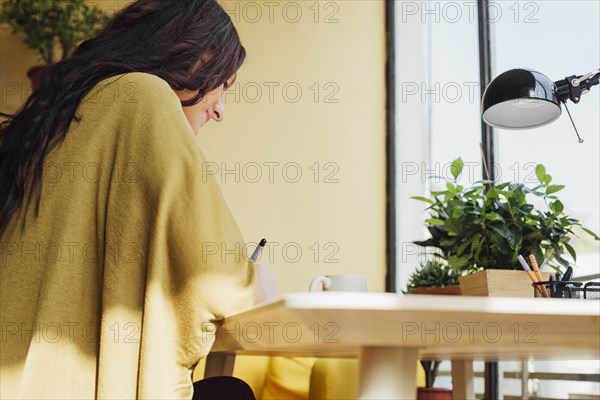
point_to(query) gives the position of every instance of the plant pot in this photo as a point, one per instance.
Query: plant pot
(425, 393)
(35, 75)
(453, 290)
(498, 282)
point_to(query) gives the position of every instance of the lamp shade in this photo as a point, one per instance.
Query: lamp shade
(520, 99)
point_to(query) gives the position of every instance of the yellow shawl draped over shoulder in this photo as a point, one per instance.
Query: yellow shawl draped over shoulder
(112, 290)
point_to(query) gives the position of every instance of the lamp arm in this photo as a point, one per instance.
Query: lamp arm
(572, 87)
(578, 81)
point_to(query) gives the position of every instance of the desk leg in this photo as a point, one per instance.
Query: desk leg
(462, 380)
(219, 364)
(387, 373)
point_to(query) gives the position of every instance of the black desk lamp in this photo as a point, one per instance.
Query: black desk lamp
(523, 98)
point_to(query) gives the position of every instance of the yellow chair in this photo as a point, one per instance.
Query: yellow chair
(299, 378)
(335, 379)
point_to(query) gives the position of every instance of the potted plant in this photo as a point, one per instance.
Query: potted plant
(429, 392)
(485, 227)
(49, 25)
(434, 277)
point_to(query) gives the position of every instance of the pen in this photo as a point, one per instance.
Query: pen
(530, 273)
(534, 264)
(258, 250)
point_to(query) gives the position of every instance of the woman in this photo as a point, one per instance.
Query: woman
(117, 254)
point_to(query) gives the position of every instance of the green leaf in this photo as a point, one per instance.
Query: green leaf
(426, 243)
(421, 198)
(458, 262)
(492, 193)
(494, 217)
(571, 251)
(456, 168)
(462, 247)
(452, 226)
(556, 206)
(517, 237)
(496, 238)
(554, 188)
(502, 230)
(586, 230)
(562, 261)
(434, 221)
(448, 242)
(451, 188)
(540, 172)
(527, 208)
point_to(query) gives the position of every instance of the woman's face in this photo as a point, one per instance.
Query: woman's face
(209, 107)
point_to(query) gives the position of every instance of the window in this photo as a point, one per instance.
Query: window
(529, 38)
(438, 119)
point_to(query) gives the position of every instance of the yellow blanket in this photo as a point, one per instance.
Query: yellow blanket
(111, 291)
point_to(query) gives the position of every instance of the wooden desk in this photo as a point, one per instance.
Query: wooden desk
(390, 332)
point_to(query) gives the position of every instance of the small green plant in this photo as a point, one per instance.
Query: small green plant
(432, 273)
(48, 23)
(487, 226)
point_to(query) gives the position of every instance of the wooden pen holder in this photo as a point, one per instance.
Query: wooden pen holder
(498, 283)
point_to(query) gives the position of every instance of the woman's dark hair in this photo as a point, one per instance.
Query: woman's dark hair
(191, 44)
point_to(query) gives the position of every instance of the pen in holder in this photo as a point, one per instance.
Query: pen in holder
(569, 289)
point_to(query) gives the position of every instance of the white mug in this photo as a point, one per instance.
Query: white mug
(339, 283)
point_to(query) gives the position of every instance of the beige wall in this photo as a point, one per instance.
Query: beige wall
(333, 133)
